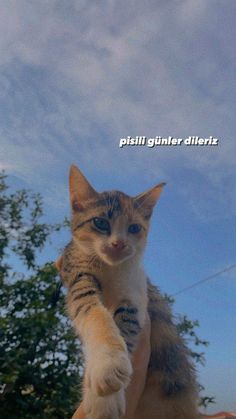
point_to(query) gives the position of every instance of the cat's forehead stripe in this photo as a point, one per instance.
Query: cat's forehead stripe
(115, 202)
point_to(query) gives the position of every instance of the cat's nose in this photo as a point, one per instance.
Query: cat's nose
(118, 244)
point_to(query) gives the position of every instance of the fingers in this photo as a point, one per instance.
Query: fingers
(79, 413)
(140, 364)
(141, 356)
(58, 263)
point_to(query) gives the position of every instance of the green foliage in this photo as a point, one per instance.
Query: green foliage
(39, 355)
(187, 329)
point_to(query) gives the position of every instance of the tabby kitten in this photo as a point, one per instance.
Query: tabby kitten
(107, 300)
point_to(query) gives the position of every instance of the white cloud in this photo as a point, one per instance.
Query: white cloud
(108, 70)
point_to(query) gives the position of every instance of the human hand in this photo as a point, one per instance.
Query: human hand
(140, 360)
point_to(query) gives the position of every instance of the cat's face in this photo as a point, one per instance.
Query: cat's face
(109, 225)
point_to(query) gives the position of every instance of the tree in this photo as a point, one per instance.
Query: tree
(40, 358)
(187, 329)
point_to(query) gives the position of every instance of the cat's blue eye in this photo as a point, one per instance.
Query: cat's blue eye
(101, 224)
(134, 228)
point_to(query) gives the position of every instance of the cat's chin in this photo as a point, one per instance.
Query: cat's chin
(114, 261)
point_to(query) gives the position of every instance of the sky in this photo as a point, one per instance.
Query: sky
(76, 77)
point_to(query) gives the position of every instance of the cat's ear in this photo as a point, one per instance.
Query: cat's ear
(148, 199)
(80, 189)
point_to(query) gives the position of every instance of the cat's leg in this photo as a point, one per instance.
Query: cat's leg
(108, 368)
(171, 389)
(127, 318)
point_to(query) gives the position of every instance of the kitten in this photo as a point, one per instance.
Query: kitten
(107, 300)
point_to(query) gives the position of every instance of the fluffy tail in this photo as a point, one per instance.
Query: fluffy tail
(171, 389)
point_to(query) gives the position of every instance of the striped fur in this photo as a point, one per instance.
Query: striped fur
(107, 300)
(126, 318)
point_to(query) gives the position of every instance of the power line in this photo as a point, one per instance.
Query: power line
(208, 278)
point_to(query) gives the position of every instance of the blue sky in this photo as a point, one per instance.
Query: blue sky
(77, 76)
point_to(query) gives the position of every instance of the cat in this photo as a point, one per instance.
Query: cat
(108, 296)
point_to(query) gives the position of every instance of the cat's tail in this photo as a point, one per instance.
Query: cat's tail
(171, 388)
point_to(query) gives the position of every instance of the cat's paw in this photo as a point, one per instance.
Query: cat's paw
(109, 371)
(107, 407)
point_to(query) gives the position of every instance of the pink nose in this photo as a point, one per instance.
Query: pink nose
(118, 244)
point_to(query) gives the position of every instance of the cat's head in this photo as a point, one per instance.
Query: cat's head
(109, 225)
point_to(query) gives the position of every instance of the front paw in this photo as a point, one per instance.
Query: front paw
(109, 371)
(108, 407)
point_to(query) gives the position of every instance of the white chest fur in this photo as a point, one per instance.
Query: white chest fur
(125, 282)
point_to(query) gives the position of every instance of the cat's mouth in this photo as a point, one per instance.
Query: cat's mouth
(114, 256)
